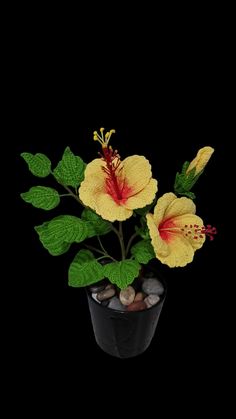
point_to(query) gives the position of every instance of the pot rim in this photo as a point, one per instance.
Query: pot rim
(148, 309)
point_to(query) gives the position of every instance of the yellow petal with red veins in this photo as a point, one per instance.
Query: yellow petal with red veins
(160, 246)
(137, 172)
(161, 206)
(110, 210)
(144, 197)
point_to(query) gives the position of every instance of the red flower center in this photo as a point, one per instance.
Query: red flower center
(168, 229)
(116, 184)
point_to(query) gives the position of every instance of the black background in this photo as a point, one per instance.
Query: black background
(166, 112)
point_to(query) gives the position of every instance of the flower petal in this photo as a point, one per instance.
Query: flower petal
(137, 172)
(191, 219)
(91, 188)
(160, 246)
(144, 197)
(162, 205)
(94, 167)
(180, 206)
(181, 253)
(201, 159)
(110, 210)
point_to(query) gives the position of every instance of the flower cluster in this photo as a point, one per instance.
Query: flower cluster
(110, 191)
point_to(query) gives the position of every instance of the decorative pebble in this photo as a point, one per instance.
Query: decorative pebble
(151, 300)
(106, 294)
(137, 306)
(152, 286)
(94, 296)
(115, 304)
(139, 296)
(96, 288)
(109, 286)
(127, 295)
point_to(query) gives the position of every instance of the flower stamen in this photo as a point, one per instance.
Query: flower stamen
(104, 141)
(191, 231)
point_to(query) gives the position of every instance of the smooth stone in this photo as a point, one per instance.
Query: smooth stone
(127, 295)
(94, 296)
(109, 286)
(96, 288)
(106, 294)
(152, 286)
(139, 296)
(115, 304)
(151, 300)
(137, 306)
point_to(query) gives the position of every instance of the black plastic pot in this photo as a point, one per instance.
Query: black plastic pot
(124, 334)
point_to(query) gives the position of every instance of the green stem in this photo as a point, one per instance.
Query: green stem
(122, 245)
(120, 236)
(70, 192)
(130, 242)
(105, 255)
(101, 245)
(65, 194)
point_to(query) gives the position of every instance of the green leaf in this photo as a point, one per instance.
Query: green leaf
(55, 248)
(57, 234)
(143, 230)
(196, 177)
(96, 225)
(185, 167)
(188, 180)
(85, 270)
(70, 170)
(122, 273)
(38, 164)
(143, 251)
(42, 197)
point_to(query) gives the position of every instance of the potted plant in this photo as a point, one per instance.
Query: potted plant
(125, 296)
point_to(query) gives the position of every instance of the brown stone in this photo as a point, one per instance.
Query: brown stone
(106, 294)
(137, 306)
(139, 296)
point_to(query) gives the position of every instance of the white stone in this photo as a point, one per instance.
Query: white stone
(152, 286)
(127, 295)
(151, 300)
(94, 296)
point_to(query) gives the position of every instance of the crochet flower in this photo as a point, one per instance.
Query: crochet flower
(114, 188)
(175, 231)
(201, 160)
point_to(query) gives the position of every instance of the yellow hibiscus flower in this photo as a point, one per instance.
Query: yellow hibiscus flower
(175, 231)
(114, 188)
